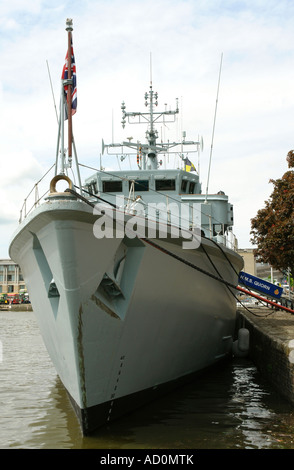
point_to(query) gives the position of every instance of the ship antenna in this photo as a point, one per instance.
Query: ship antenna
(220, 68)
(52, 91)
(150, 68)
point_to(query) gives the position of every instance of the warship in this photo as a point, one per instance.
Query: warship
(131, 275)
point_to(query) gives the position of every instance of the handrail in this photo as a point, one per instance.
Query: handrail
(23, 211)
(230, 242)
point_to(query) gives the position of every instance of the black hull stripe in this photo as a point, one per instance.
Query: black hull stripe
(97, 416)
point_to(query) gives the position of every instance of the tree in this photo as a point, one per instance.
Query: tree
(273, 227)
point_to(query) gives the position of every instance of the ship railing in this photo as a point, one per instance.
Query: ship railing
(33, 198)
(226, 238)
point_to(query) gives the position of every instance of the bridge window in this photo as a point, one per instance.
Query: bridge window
(192, 188)
(92, 187)
(165, 185)
(184, 186)
(140, 185)
(112, 186)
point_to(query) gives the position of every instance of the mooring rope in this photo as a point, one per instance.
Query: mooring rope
(193, 266)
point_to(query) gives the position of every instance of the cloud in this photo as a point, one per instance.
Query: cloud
(20, 172)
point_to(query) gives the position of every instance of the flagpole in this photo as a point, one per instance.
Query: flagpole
(69, 29)
(61, 129)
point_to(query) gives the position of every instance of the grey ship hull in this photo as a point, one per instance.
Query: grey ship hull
(122, 321)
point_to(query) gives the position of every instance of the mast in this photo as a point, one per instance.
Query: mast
(70, 84)
(151, 149)
(152, 133)
(147, 154)
(69, 29)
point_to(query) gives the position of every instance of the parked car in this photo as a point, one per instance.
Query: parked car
(13, 298)
(3, 299)
(25, 298)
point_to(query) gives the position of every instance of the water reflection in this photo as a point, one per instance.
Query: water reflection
(247, 405)
(229, 407)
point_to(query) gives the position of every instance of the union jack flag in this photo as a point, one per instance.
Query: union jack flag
(64, 76)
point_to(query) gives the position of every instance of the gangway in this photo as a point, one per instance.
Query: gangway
(272, 291)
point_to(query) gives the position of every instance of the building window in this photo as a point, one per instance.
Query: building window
(10, 277)
(10, 289)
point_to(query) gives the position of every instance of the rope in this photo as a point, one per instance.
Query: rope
(228, 284)
(193, 266)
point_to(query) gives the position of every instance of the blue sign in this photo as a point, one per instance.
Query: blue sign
(260, 285)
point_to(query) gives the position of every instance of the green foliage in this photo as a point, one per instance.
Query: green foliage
(290, 159)
(273, 227)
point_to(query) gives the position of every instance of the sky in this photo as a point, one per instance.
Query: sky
(115, 41)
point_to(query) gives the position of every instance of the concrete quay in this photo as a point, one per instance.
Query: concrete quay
(271, 345)
(16, 308)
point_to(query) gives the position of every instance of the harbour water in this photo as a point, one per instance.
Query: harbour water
(229, 407)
